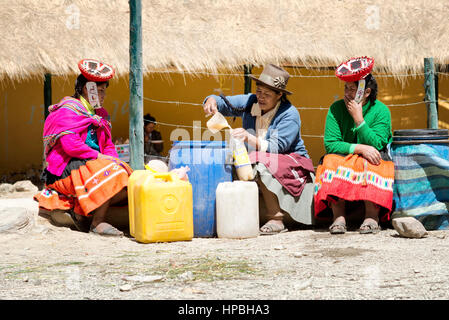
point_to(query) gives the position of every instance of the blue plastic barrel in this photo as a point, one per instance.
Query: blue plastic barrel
(421, 184)
(209, 163)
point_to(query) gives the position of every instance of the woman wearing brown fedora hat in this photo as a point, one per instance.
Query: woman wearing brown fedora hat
(272, 131)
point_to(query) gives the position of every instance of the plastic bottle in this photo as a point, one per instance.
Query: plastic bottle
(158, 166)
(182, 172)
(241, 160)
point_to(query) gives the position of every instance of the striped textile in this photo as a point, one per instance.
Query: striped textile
(353, 178)
(421, 188)
(87, 187)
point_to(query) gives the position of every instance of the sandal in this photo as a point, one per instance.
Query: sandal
(369, 227)
(337, 228)
(272, 229)
(108, 231)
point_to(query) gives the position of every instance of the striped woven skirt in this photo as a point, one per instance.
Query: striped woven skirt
(421, 187)
(84, 185)
(353, 178)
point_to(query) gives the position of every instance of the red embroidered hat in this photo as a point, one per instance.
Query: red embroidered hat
(355, 69)
(95, 70)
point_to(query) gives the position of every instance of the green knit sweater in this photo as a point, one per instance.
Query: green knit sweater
(341, 135)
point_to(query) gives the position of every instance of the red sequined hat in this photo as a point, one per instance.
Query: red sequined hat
(355, 69)
(95, 70)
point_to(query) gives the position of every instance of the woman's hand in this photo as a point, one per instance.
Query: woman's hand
(240, 134)
(355, 110)
(210, 106)
(245, 136)
(369, 153)
(103, 156)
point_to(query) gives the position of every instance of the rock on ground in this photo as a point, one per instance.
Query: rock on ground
(13, 219)
(25, 186)
(409, 227)
(6, 188)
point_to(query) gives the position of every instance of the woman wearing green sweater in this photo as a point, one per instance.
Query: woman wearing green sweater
(356, 170)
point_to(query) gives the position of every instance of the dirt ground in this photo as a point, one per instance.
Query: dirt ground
(51, 262)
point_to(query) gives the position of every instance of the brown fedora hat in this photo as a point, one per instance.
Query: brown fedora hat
(273, 77)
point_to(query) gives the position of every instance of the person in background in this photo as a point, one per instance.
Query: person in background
(272, 127)
(356, 174)
(153, 143)
(83, 173)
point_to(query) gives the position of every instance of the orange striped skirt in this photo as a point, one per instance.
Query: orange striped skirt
(353, 178)
(85, 187)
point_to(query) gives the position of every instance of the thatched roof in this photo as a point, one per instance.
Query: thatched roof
(52, 36)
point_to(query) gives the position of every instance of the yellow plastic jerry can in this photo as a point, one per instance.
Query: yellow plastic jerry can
(160, 207)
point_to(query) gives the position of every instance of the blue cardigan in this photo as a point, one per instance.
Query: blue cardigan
(284, 131)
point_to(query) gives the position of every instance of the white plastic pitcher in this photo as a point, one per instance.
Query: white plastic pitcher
(237, 209)
(217, 122)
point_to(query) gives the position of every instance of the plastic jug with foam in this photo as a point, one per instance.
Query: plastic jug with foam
(217, 122)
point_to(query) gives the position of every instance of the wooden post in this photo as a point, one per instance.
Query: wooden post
(47, 103)
(47, 93)
(136, 87)
(429, 84)
(247, 71)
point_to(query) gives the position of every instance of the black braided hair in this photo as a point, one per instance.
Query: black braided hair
(372, 84)
(81, 82)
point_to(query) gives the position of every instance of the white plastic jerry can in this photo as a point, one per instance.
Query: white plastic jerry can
(237, 209)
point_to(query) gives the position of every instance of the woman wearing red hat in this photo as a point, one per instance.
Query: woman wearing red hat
(357, 171)
(83, 172)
